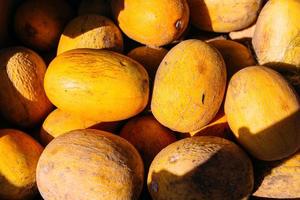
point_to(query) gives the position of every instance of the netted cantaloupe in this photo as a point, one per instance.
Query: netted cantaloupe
(263, 111)
(19, 154)
(236, 55)
(39, 23)
(22, 97)
(201, 168)
(278, 179)
(276, 39)
(150, 58)
(189, 86)
(59, 122)
(90, 164)
(154, 23)
(90, 31)
(223, 16)
(98, 85)
(148, 136)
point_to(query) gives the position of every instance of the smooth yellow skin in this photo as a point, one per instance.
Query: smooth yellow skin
(153, 23)
(22, 97)
(19, 154)
(276, 39)
(281, 179)
(189, 86)
(90, 31)
(90, 165)
(223, 16)
(200, 168)
(96, 84)
(263, 111)
(236, 55)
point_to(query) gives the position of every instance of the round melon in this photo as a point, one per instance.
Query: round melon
(90, 164)
(263, 111)
(59, 122)
(276, 39)
(22, 97)
(201, 168)
(19, 154)
(278, 179)
(154, 23)
(236, 55)
(39, 23)
(189, 86)
(97, 84)
(91, 31)
(148, 136)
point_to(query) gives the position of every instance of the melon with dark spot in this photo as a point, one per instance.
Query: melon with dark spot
(198, 168)
(90, 164)
(153, 23)
(22, 97)
(189, 86)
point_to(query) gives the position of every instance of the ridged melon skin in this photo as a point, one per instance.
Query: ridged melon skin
(200, 168)
(98, 85)
(90, 164)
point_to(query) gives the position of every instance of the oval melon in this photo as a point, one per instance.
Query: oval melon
(148, 136)
(201, 168)
(97, 84)
(90, 164)
(59, 122)
(39, 23)
(154, 23)
(19, 154)
(90, 31)
(276, 39)
(22, 97)
(189, 86)
(263, 111)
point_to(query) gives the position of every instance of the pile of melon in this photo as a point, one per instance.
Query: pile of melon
(149, 99)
